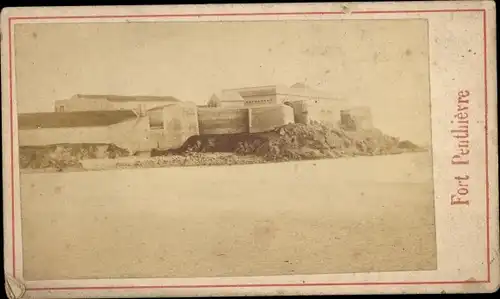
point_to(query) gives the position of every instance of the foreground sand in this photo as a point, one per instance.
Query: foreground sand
(327, 216)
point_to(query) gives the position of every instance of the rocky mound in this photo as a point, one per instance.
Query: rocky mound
(297, 142)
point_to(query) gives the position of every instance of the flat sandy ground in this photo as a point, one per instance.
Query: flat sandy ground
(328, 216)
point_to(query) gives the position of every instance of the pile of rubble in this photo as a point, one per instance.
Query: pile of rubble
(190, 159)
(300, 142)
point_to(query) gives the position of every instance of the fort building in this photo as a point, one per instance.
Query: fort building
(308, 104)
(142, 123)
(135, 123)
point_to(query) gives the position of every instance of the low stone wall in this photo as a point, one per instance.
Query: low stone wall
(130, 134)
(48, 136)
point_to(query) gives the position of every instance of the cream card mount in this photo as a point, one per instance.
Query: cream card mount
(277, 149)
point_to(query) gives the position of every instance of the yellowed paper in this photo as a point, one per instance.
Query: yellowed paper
(250, 149)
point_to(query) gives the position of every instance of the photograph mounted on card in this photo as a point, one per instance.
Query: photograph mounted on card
(250, 149)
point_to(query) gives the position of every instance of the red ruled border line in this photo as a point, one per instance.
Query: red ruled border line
(486, 150)
(312, 284)
(10, 21)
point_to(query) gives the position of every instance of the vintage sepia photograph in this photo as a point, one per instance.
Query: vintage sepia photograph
(224, 148)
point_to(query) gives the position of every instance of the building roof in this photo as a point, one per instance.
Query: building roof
(299, 85)
(236, 94)
(250, 88)
(305, 90)
(120, 98)
(160, 107)
(28, 121)
(298, 89)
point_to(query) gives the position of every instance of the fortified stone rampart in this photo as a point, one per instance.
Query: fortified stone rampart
(172, 125)
(223, 120)
(229, 120)
(267, 118)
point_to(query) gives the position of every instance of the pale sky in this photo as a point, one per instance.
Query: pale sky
(381, 64)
